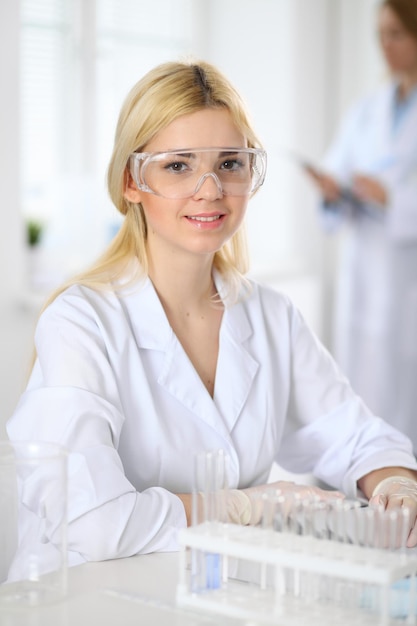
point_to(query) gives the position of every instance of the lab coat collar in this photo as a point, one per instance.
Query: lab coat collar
(149, 322)
(402, 133)
(392, 146)
(236, 368)
(406, 130)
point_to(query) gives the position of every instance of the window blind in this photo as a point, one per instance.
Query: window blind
(79, 58)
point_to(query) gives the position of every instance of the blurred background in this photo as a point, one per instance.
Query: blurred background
(66, 66)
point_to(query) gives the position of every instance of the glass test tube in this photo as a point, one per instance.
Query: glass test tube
(209, 507)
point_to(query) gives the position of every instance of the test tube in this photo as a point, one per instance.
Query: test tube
(404, 529)
(267, 503)
(209, 507)
(209, 498)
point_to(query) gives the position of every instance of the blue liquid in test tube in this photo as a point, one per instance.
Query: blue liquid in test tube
(209, 497)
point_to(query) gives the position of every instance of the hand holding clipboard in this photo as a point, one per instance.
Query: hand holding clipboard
(331, 189)
(367, 194)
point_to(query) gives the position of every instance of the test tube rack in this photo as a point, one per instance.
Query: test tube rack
(296, 578)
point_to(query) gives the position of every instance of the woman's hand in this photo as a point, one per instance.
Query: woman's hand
(328, 186)
(398, 492)
(246, 506)
(370, 190)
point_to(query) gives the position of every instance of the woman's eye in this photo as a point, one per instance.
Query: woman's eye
(232, 164)
(175, 166)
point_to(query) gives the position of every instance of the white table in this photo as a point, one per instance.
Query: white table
(138, 591)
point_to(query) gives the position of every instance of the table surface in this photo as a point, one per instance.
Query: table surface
(137, 591)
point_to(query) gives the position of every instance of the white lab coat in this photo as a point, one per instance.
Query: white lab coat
(114, 385)
(376, 304)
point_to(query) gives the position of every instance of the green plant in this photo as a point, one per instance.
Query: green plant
(34, 231)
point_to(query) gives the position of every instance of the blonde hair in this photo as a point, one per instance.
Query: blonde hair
(166, 92)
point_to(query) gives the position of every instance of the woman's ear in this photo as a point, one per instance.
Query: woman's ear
(131, 192)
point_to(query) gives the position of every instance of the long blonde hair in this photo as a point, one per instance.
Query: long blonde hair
(166, 92)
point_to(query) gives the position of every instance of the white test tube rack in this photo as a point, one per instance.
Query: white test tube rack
(331, 582)
(307, 560)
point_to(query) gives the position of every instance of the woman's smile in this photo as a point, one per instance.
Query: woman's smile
(206, 221)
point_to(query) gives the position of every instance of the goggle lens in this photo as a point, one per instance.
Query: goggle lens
(178, 174)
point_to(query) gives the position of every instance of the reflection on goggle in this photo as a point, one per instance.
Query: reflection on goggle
(181, 173)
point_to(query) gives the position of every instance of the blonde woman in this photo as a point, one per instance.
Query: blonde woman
(165, 349)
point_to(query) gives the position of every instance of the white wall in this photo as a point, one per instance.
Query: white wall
(276, 55)
(11, 250)
(11, 232)
(298, 63)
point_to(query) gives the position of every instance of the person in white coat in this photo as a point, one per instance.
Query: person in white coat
(369, 183)
(165, 349)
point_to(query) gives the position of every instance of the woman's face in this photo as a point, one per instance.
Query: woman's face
(398, 45)
(202, 223)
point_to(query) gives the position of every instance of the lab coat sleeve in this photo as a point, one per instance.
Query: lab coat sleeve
(330, 431)
(72, 399)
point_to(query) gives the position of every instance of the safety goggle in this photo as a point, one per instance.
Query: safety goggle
(181, 173)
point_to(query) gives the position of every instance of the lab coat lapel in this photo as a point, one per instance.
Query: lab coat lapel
(147, 317)
(400, 139)
(181, 380)
(406, 136)
(384, 123)
(235, 370)
(176, 374)
(393, 153)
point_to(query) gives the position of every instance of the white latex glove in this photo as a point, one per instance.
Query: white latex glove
(239, 507)
(398, 491)
(245, 506)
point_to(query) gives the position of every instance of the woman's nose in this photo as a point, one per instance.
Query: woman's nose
(209, 186)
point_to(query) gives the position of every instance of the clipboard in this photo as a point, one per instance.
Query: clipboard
(346, 192)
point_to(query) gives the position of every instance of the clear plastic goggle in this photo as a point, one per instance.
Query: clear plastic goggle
(181, 173)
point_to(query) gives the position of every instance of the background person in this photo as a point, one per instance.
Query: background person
(165, 349)
(369, 183)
